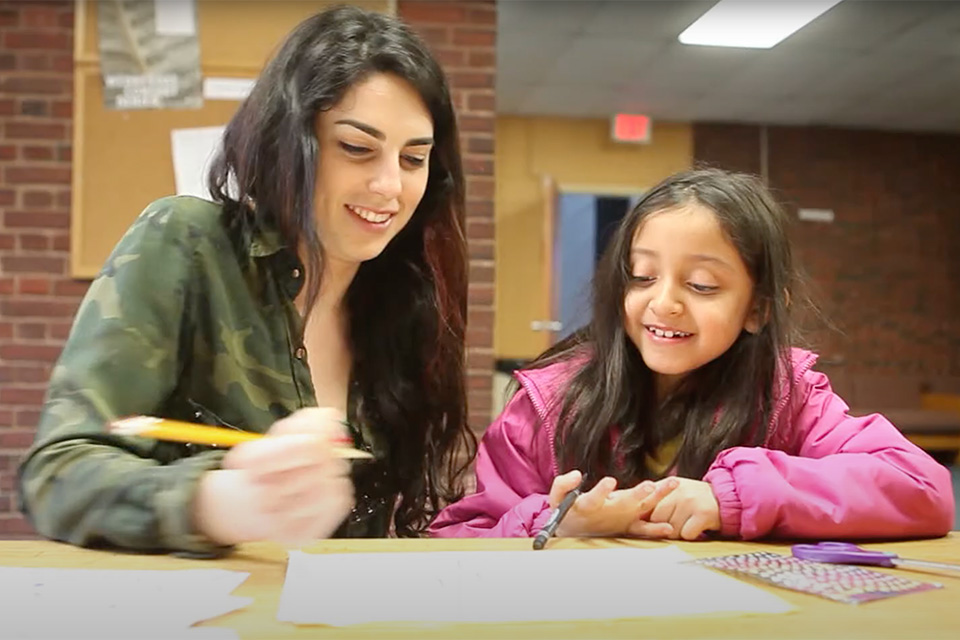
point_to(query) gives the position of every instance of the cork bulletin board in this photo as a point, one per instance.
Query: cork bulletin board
(122, 159)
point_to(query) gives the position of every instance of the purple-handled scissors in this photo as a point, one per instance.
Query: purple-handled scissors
(848, 553)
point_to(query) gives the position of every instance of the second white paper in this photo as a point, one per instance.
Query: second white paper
(511, 586)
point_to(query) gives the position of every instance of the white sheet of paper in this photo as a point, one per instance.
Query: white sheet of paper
(175, 17)
(235, 89)
(511, 586)
(93, 603)
(193, 150)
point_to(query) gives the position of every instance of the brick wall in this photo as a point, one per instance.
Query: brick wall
(887, 271)
(37, 296)
(462, 34)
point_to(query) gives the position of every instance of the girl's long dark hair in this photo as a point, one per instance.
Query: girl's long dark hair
(725, 403)
(407, 307)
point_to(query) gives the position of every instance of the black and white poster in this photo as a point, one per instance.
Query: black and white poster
(149, 54)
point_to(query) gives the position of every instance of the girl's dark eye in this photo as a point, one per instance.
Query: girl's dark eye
(702, 288)
(414, 161)
(353, 149)
(641, 280)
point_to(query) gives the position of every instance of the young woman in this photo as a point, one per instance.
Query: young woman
(324, 286)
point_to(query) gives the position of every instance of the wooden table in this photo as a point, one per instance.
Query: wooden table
(932, 614)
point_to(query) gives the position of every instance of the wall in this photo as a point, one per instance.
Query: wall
(579, 156)
(38, 299)
(886, 272)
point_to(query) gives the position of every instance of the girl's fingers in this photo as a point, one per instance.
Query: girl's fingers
(562, 485)
(635, 496)
(644, 529)
(631, 497)
(663, 511)
(595, 498)
(694, 527)
(681, 512)
(653, 500)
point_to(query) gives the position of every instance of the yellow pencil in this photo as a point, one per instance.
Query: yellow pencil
(177, 431)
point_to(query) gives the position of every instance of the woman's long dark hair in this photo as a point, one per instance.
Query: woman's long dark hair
(725, 403)
(407, 307)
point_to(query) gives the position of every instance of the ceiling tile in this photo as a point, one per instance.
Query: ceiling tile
(527, 59)
(938, 34)
(553, 17)
(601, 61)
(657, 20)
(776, 72)
(865, 73)
(694, 67)
(860, 25)
(567, 100)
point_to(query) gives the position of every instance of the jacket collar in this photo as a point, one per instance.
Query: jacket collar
(265, 241)
(268, 245)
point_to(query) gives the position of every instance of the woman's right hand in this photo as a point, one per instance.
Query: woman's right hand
(605, 510)
(288, 487)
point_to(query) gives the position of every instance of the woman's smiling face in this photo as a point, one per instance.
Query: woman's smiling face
(372, 168)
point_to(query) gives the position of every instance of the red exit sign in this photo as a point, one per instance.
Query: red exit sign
(626, 127)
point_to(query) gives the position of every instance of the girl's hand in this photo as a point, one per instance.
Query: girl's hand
(605, 510)
(689, 510)
(288, 487)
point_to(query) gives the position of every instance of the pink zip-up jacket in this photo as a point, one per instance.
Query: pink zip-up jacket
(821, 473)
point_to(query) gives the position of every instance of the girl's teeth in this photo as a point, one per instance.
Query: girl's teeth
(668, 334)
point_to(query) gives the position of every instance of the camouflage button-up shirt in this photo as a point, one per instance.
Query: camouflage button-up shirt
(185, 321)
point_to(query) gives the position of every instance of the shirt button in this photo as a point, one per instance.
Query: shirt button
(295, 273)
(301, 353)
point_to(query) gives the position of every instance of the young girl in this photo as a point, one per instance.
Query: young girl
(683, 405)
(325, 282)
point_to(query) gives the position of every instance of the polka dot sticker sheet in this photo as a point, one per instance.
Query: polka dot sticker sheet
(840, 582)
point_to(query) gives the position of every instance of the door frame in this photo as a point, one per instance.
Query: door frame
(551, 189)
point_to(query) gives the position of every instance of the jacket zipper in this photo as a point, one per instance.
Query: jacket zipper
(798, 373)
(542, 414)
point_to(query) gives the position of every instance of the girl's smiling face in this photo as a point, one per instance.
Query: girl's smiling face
(690, 294)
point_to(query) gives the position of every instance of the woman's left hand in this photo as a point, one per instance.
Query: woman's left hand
(690, 509)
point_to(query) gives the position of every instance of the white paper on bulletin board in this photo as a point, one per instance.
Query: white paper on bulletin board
(193, 151)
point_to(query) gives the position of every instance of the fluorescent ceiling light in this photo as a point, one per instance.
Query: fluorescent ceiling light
(753, 24)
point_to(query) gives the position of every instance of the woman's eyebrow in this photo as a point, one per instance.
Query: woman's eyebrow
(379, 135)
